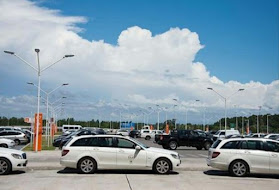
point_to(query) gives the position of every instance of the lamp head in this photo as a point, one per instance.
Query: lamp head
(37, 50)
(9, 52)
(66, 56)
(210, 88)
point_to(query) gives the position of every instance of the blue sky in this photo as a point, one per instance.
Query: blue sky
(240, 37)
(142, 54)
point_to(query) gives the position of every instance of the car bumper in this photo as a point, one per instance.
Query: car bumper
(214, 163)
(19, 164)
(68, 163)
(176, 163)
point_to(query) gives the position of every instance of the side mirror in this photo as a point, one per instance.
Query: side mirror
(138, 147)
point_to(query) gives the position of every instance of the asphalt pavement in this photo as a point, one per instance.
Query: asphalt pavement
(67, 179)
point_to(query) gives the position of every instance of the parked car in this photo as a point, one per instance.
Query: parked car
(145, 132)
(152, 134)
(241, 156)
(17, 136)
(188, 138)
(221, 134)
(134, 134)
(7, 143)
(11, 160)
(123, 132)
(78, 133)
(257, 135)
(93, 152)
(272, 136)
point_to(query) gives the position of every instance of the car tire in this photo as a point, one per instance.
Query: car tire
(6, 166)
(87, 165)
(173, 145)
(4, 145)
(147, 138)
(199, 147)
(162, 166)
(207, 145)
(238, 168)
(17, 142)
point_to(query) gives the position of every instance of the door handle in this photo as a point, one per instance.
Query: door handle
(247, 152)
(274, 155)
(121, 151)
(95, 149)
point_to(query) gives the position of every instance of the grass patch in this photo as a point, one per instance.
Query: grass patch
(44, 146)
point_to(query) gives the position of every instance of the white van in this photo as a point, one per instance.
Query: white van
(221, 134)
(71, 127)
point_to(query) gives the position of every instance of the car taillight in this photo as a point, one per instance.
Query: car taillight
(64, 152)
(215, 154)
(161, 137)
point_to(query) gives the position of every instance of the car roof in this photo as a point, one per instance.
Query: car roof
(245, 139)
(101, 135)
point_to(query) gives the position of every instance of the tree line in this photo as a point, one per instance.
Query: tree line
(233, 122)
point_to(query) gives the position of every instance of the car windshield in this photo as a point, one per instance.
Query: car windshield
(141, 144)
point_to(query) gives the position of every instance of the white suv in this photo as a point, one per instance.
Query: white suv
(89, 153)
(245, 155)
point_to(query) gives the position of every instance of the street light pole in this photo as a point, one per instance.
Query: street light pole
(47, 104)
(38, 70)
(267, 123)
(225, 99)
(258, 126)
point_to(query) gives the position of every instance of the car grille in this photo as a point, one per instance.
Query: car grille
(24, 156)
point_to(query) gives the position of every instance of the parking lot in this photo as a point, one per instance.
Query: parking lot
(45, 172)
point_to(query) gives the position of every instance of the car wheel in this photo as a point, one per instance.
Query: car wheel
(4, 145)
(5, 166)
(207, 145)
(173, 145)
(17, 142)
(162, 166)
(147, 138)
(239, 168)
(87, 165)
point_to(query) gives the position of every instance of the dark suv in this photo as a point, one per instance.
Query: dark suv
(190, 138)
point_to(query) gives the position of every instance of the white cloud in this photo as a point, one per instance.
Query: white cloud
(142, 69)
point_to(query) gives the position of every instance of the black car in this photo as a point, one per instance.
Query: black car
(78, 133)
(190, 138)
(134, 134)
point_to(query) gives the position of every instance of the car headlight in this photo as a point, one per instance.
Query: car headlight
(175, 156)
(17, 156)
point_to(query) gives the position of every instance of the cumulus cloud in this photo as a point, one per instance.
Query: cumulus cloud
(142, 69)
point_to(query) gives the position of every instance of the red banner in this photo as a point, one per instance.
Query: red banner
(39, 147)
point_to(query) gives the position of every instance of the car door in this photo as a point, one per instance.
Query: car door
(127, 156)
(273, 151)
(253, 152)
(103, 149)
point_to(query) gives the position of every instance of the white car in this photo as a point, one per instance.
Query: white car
(151, 135)
(7, 143)
(123, 132)
(221, 134)
(272, 136)
(11, 160)
(92, 152)
(241, 156)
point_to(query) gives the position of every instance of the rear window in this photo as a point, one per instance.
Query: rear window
(216, 143)
(231, 145)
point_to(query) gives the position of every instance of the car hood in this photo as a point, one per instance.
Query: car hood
(10, 151)
(160, 150)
